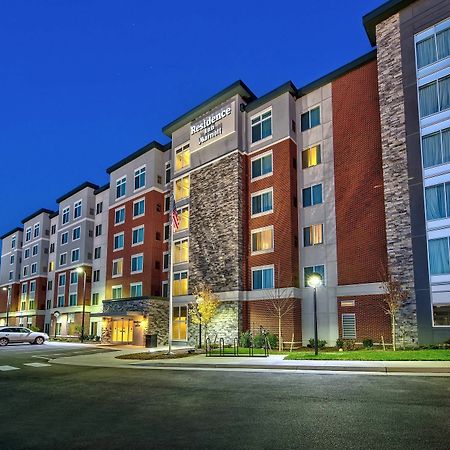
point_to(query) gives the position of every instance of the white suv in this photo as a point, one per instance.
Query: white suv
(20, 334)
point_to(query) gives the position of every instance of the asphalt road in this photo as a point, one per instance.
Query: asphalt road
(64, 407)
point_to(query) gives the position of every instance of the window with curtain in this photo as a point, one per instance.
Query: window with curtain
(438, 255)
(428, 99)
(262, 203)
(436, 148)
(313, 235)
(426, 52)
(444, 93)
(443, 43)
(435, 202)
(262, 240)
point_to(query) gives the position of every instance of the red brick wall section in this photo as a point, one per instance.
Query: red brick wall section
(371, 320)
(360, 216)
(284, 217)
(15, 289)
(261, 313)
(68, 289)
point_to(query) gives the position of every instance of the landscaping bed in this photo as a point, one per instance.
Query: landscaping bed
(157, 355)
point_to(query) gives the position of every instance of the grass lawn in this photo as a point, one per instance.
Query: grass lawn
(375, 355)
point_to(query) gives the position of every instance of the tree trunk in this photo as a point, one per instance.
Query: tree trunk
(280, 339)
(394, 346)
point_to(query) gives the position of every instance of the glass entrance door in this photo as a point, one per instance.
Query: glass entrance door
(122, 331)
(179, 324)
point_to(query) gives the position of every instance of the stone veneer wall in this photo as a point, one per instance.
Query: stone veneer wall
(225, 324)
(395, 169)
(216, 249)
(157, 312)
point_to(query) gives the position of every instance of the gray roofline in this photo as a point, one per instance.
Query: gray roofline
(101, 189)
(238, 87)
(9, 233)
(40, 211)
(86, 184)
(280, 90)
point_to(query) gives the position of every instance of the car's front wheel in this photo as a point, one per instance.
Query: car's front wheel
(39, 340)
(3, 342)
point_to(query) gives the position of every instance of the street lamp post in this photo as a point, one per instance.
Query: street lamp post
(314, 281)
(80, 270)
(8, 303)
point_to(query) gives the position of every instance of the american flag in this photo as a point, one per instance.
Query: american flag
(175, 219)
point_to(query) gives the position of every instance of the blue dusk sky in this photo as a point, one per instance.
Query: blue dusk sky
(83, 83)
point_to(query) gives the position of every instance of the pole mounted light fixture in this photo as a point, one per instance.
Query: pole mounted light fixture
(315, 281)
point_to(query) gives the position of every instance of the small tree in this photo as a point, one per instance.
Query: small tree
(394, 298)
(204, 308)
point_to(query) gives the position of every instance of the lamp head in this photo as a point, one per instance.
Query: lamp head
(315, 280)
(80, 270)
(4, 288)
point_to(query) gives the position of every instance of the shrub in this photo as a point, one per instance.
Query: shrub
(320, 343)
(368, 343)
(349, 344)
(259, 340)
(245, 339)
(33, 328)
(339, 343)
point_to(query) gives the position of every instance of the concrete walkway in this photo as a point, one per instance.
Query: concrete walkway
(271, 363)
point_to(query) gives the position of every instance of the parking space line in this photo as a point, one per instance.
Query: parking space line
(37, 365)
(6, 368)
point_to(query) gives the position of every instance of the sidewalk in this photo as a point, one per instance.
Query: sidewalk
(272, 363)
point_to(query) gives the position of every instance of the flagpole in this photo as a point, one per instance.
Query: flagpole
(171, 275)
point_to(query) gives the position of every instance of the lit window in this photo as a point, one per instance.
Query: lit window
(136, 290)
(261, 126)
(262, 166)
(180, 283)
(182, 157)
(262, 202)
(118, 241)
(308, 271)
(313, 235)
(312, 195)
(181, 251)
(116, 292)
(310, 119)
(182, 188)
(138, 236)
(121, 187)
(117, 267)
(66, 215)
(183, 218)
(262, 240)
(77, 209)
(51, 266)
(262, 278)
(311, 157)
(76, 233)
(139, 178)
(139, 207)
(119, 216)
(137, 263)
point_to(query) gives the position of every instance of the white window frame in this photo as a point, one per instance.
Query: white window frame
(342, 324)
(33, 268)
(318, 105)
(164, 283)
(26, 253)
(267, 138)
(37, 226)
(167, 167)
(142, 199)
(166, 196)
(139, 169)
(181, 178)
(324, 280)
(65, 233)
(138, 283)
(73, 231)
(65, 211)
(174, 244)
(32, 286)
(260, 193)
(114, 241)
(35, 246)
(257, 268)
(137, 255)
(76, 298)
(70, 277)
(28, 234)
(60, 277)
(118, 275)
(65, 263)
(72, 252)
(323, 235)
(124, 215)
(168, 265)
(167, 224)
(117, 286)
(98, 250)
(119, 182)
(25, 271)
(257, 230)
(260, 156)
(132, 234)
(183, 148)
(75, 206)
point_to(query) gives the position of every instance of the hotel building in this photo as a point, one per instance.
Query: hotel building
(348, 176)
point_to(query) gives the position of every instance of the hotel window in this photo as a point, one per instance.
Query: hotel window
(312, 195)
(308, 271)
(24, 289)
(64, 238)
(77, 209)
(436, 148)
(33, 268)
(137, 236)
(32, 287)
(181, 251)
(49, 285)
(74, 277)
(11, 259)
(53, 229)
(310, 119)
(263, 278)
(136, 290)
(13, 242)
(179, 324)
(34, 250)
(60, 305)
(36, 230)
(180, 283)
(121, 184)
(433, 48)
(62, 280)
(51, 266)
(262, 202)
(313, 235)
(96, 275)
(434, 97)
(311, 157)
(118, 241)
(73, 299)
(66, 215)
(262, 166)
(95, 298)
(182, 158)
(183, 217)
(182, 188)
(437, 201)
(25, 271)
(76, 233)
(31, 305)
(261, 126)
(26, 253)
(137, 263)
(98, 230)
(166, 232)
(167, 173)
(348, 326)
(119, 216)
(117, 267)
(62, 259)
(28, 235)
(438, 255)
(165, 261)
(116, 292)
(97, 252)
(99, 208)
(75, 255)
(165, 288)
(10, 276)
(139, 207)
(166, 203)
(139, 178)
(262, 240)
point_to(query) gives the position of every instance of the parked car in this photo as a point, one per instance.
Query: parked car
(21, 334)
